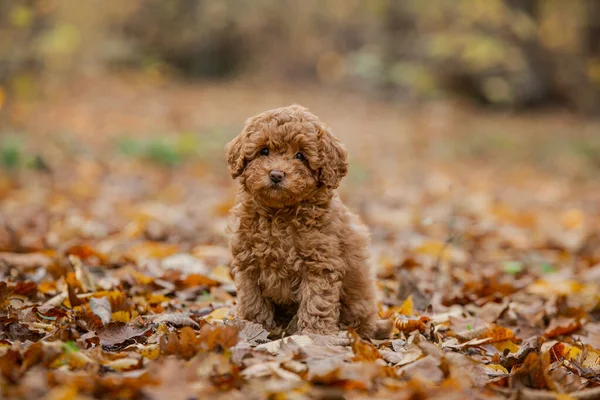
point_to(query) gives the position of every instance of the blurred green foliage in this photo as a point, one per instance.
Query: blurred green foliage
(511, 53)
(159, 150)
(11, 153)
(14, 156)
(175, 149)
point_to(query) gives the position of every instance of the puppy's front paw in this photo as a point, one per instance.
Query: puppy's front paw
(317, 326)
(329, 340)
(263, 316)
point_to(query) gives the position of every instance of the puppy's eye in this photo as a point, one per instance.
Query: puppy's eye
(299, 156)
(264, 151)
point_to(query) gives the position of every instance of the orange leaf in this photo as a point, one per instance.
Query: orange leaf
(219, 336)
(85, 252)
(409, 325)
(562, 326)
(196, 280)
(151, 250)
(498, 333)
(557, 352)
(363, 350)
(188, 342)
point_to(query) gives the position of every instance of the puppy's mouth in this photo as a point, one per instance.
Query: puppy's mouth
(275, 190)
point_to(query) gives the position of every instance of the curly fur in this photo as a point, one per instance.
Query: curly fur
(296, 248)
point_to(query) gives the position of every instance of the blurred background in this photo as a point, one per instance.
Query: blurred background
(505, 53)
(114, 114)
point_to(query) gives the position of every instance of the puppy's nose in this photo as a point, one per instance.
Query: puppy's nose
(276, 176)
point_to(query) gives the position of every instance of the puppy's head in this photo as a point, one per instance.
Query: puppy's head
(286, 155)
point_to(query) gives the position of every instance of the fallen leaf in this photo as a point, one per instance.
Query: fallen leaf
(363, 350)
(176, 319)
(101, 307)
(118, 335)
(562, 326)
(251, 332)
(275, 346)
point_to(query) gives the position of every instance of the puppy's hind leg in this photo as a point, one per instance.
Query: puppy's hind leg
(359, 300)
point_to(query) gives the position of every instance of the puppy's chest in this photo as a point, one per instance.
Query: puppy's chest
(279, 261)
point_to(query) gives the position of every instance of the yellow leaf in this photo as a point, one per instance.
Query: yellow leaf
(506, 344)
(2, 97)
(434, 248)
(407, 307)
(221, 274)
(121, 316)
(141, 278)
(563, 396)
(151, 250)
(158, 298)
(571, 352)
(150, 352)
(218, 314)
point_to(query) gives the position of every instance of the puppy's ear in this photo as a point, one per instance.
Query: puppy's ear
(235, 155)
(334, 159)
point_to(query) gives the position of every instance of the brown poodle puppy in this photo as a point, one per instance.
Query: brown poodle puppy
(297, 250)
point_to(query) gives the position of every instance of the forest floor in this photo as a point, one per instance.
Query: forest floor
(114, 265)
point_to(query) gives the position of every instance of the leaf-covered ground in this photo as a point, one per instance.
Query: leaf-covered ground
(114, 265)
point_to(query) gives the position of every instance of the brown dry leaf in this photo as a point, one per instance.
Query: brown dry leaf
(20, 332)
(251, 332)
(532, 373)
(117, 335)
(276, 346)
(26, 261)
(170, 344)
(91, 321)
(426, 369)
(402, 357)
(532, 345)
(25, 288)
(188, 343)
(74, 301)
(176, 319)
